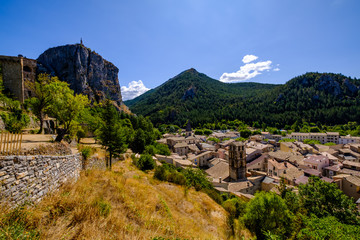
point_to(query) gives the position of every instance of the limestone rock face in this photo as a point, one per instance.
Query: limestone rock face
(86, 71)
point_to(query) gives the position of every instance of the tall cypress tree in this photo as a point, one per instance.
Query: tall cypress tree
(111, 132)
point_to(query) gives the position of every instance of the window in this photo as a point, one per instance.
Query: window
(27, 69)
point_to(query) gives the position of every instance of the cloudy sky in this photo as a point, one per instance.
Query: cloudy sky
(150, 41)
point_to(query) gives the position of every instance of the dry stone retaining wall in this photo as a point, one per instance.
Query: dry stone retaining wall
(29, 178)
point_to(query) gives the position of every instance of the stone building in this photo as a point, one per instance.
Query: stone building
(16, 72)
(237, 161)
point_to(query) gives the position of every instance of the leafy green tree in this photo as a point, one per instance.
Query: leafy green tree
(327, 228)
(139, 142)
(163, 149)
(66, 107)
(315, 129)
(268, 212)
(111, 132)
(44, 92)
(325, 199)
(245, 133)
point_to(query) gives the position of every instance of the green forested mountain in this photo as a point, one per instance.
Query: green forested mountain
(325, 97)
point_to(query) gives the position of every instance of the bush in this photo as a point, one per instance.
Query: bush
(86, 152)
(199, 132)
(15, 121)
(213, 139)
(330, 144)
(157, 148)
(197, 178)
(145, 162)
(235, 206)
(167, 172)
(309, 141)
(287, 140)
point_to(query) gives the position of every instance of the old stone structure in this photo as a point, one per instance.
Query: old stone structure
(31, 177)
(16, 72)
(237, 161)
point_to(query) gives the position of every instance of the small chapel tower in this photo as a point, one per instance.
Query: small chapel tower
(237, 161)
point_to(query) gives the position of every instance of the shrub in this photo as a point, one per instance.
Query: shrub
(310, 141)
(213, 139)
(330, 144)
(157, 148)
(197, 178)
(145, 162)
(86, 152)
(15, 121)
(199, 132)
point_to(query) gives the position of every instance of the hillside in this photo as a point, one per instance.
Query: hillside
(325, 97)
(123, 204)
(193, 95)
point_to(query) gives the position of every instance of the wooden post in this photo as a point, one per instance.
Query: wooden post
(15, 143)
(20, 144)
(11, 143)
(7, 143)
(1, 141)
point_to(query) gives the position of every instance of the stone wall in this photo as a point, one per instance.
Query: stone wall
(16, 72)
(29, 178)
(12, 76)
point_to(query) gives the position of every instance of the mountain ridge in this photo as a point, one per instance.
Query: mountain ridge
(192, 95)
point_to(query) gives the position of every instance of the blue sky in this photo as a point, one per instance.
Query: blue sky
(155, 40)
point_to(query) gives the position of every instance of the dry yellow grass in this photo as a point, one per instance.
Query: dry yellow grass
(128, 204)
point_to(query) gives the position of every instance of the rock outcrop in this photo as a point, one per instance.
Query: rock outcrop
(86, 71)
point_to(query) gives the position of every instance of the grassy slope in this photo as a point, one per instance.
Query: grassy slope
(127, 204)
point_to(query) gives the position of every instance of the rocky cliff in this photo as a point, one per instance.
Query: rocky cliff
(86, 71)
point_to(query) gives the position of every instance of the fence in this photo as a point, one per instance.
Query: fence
(10, 143)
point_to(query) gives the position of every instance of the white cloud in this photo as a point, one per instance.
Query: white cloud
(246, 72)
(276, 69)
(249, 58)
(134, 89)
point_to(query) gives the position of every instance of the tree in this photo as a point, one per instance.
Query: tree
(245, 133)
(268, 212)
(111, 132)
(325, 199)
(327, 228)
(66, 107)
(44, 93)
(139, 142)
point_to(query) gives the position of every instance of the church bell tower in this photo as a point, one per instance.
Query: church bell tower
(237, 161)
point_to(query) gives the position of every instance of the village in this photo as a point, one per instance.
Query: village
(259, 163)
